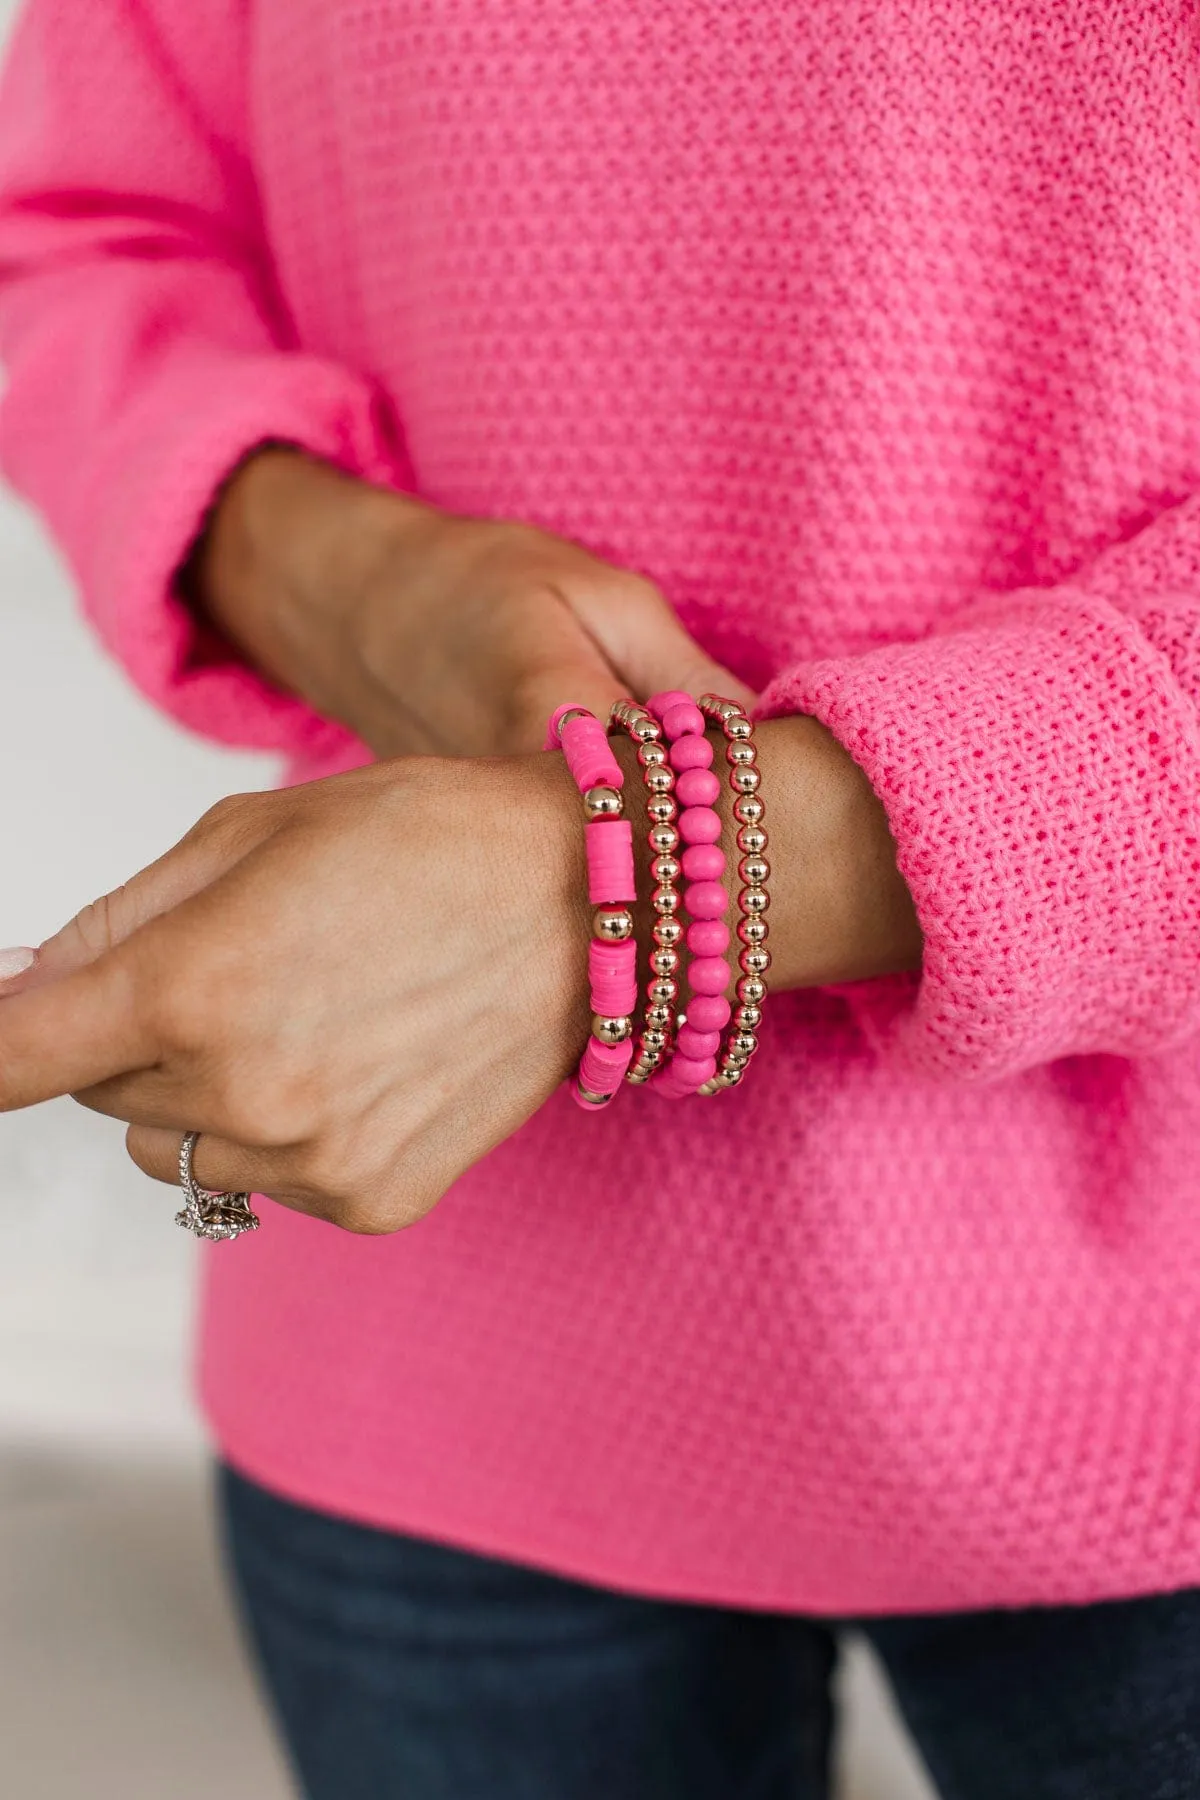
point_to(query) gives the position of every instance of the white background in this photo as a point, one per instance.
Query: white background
(122, 1676)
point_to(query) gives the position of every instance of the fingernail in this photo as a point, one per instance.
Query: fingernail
(15, 962)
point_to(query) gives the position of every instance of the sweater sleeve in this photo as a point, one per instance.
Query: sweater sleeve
(1039, 760)
(147, 348)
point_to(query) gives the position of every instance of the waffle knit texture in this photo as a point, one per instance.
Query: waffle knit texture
(872, 332)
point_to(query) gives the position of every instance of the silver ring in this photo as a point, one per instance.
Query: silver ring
(217, 1218)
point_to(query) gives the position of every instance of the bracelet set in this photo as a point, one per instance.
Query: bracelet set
(678, 1050)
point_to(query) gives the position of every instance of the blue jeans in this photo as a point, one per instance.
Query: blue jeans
(401, 1670)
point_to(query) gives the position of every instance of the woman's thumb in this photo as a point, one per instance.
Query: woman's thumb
(642, 639)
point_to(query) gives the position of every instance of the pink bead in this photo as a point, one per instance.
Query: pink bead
(683, 720)
(709, 974)
(703, 862)
(691, 753)
(697, 787)
(658, 704)
(697, 1044)
(610, 862)
(693, 1072)
(709, 1012)
(602, 1066)
(589, 754)
(708, 937)
(699, 825)
(706, 900)
(612, 972)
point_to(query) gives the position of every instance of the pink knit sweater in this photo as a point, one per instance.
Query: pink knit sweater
(872, 332)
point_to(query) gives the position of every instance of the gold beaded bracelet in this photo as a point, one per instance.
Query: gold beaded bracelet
(754, 871)
(662, 992)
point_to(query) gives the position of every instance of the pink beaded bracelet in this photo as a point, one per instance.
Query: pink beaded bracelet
(754, 959)
(705, 900)
(612, 953)
(662, 988)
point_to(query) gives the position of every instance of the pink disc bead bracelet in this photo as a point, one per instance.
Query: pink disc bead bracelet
(612, 953)
(705, 900)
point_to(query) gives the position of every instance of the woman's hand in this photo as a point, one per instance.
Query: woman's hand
(353, 989)
(423, 631)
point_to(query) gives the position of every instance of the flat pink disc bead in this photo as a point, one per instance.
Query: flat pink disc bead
(709, 974)
(699, 825)
(697, 787)
(683, 720)
(709, 1012)
(708, 937)
(703, 862)
(612, 972)
(690, 753)
(589, 755)
(610, 862)
(706, 899)
(602, 1066)
(699, 1045)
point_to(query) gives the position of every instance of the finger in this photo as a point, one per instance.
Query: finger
(72, 1034)
(217, 1165)
(220, 839)
(158, 1097)
(642, 637)
(18, 969)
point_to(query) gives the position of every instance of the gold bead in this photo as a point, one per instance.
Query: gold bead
(747, 1018)
(710, 1087)
(612, 924)
(662, 809)
(611, 1031)
(745, 780)
(659, 1017)
(752, 990)
(708, 703)
(603, 803)
(752, 839)
(728, 709)
(654, 1038)
(637, 1075)
(596, 1100)
(666, 900)
(753, 931)
(576, 712)
(739, 727)
(748, 809)
(667, 931)
(754, 961)
(645, 729)
(740, 755)
(662, 991)
(664, 840)
(754, 869)
(664, 962)
(743, 1043)
(666, 868)
(735, 1059)
(652, 755)
(731, 1077)
(754, 900)
(660, 781)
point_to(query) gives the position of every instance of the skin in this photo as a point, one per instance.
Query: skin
(357, 988)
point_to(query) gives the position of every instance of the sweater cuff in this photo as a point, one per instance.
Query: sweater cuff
(147, 523)
(1040, 769)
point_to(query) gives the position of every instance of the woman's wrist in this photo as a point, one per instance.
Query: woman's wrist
(840, 909)
(291, 548)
